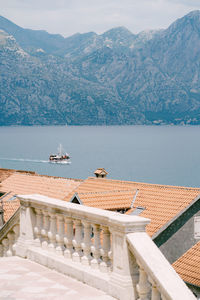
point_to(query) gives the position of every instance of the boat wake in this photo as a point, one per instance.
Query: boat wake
(24, 159)
(60, 162)
(34, 160)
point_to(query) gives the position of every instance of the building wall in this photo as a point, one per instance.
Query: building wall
(175, 240)
(195, 290)
(180, 242)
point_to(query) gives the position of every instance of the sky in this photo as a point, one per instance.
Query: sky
(68, 17)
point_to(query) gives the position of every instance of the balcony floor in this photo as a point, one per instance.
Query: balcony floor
(23, 279)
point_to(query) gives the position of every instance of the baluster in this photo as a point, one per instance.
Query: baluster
(135, 275)
(11, 239)
(1, 250)
(5, 244)
(110, 255)
(16, 235)
(96, 247)
(68, 238)
(38, 227)
(143, 286)
(86, 245)
(76, 256)
(45, 229)
(155, 294)
(60, 235)
(52, 232)
(104, 265)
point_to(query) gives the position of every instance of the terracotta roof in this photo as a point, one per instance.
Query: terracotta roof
(25, 183)
(112, 200)
(9, 206)
(5, 173)
(188, 265)
(161, 202)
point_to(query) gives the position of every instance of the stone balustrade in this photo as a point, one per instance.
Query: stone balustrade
(9, 234)
(104, 249)
(154, 277)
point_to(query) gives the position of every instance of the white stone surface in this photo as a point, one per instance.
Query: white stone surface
(125, 222)
(64, 242)
(153, 262)
(24, 279)
(107, 269)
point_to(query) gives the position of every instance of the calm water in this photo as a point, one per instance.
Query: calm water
(164, 154)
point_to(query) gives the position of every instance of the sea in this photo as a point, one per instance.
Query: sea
(154, 154)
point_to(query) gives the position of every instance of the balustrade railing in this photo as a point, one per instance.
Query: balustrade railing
(9, 234)
(104, 249)
(155, 278)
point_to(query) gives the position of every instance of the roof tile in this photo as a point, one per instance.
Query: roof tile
(187, 266)
(25, 183)
(113, 199)
(162, 202)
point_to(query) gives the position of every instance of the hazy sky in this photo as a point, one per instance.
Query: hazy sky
(71, 16)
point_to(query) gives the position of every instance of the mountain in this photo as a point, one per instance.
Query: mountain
(113, 78)
(31, 40)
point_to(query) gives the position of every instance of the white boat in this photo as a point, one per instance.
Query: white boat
(60, 157)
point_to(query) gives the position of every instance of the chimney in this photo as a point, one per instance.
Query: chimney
(101, 173)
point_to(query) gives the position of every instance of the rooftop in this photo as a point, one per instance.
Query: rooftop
(27, 183)
(5, 173)
(187, 265)
(111, 200)
(162, 203)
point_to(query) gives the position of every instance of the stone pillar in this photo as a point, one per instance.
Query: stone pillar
(76, 256)
(45, 229)
(143, 286)
(121, 277)
(96, 247)
(68, 238)
(104, 265)
(110, 256)
(1, 250)
(11, 239)
(27, 222)
(38, 227)
(16, 235)
(52, 232)
(86, 245)
(134, 274)
(155, 294)
(1, 217)
(60, 235)
(5, 243)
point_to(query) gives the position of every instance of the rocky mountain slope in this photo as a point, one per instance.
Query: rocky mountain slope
(113, 78)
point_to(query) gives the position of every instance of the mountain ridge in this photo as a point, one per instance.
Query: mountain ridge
(114, 78)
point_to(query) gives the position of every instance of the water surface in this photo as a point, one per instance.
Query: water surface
(155, 154)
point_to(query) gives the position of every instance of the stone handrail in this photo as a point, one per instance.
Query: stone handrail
(155, 274)
(98, 247)
(9, 234)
